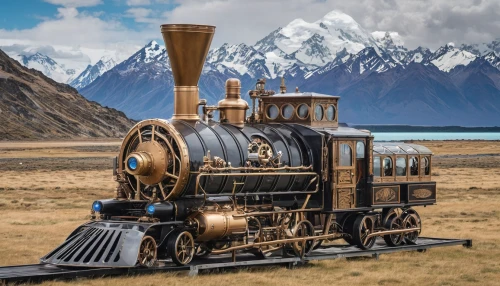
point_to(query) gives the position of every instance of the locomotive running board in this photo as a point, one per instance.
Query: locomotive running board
(42, 272)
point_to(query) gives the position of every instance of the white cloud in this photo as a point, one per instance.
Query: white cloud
(430, 23)
(75, 3)
(140, 15)
(138, 2)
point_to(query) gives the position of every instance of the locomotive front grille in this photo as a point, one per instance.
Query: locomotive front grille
(104, 245)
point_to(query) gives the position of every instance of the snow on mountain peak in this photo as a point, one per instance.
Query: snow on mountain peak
(448, 57)
(388, 38)
(338, 19)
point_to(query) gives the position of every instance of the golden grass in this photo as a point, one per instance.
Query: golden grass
(39, 208)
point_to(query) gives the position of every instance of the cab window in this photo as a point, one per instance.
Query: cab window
(387, 165)
(413, 163)
(401, 166)
(360, 150)
(345, 155)
(376, 166)
(427, 166)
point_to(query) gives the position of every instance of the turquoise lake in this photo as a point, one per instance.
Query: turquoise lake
(399, 136)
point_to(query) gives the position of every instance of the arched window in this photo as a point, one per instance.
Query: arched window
(427, 166)
(287, 111)
(303, 111)
(413, 166)
(376, 166)
(330, 112)
(272, 111)
(401, 166)
(387, 166)
(318, 112)
(345, 155)
(360, 150)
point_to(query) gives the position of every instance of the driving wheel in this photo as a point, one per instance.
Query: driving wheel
(147, 252)
(181, 248)
(394, 223)
(362, 228)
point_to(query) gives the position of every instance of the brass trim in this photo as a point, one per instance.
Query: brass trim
(423, 200)
(182, 162)
(376, 189)
(267, 108)
(282, 111)
(186, 99)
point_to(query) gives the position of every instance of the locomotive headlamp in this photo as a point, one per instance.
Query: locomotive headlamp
(132, 163)
(97, 206)
(139, 163)
(151, 209)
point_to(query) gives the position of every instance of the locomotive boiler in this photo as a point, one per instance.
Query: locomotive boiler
(286, 178)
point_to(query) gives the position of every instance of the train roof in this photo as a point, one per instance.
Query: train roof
(305, 94)
(343, 131)
(389, 148)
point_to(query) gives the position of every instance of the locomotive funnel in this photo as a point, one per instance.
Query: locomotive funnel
(187, 47)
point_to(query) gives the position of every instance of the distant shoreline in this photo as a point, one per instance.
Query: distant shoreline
(411, 128)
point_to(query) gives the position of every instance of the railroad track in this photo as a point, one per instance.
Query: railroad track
(42, 272)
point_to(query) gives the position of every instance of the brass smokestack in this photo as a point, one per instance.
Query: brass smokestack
(187, 47)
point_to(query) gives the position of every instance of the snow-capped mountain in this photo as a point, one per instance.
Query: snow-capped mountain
(47, 66)
(482, 48)
(314, 44)
(242, 58)
(448, 57)
(492, 59)
(392, 43)
(418, 55)
(92, 72)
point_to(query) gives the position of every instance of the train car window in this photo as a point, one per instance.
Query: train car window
(318, 112)
(330, 112)
(413, 166)
(376, 166)
(427, 166)
(360, 150)
(401, 166)
(387, 166)
(303, 111)
(287, 111)
(272, 111)
(345, 155)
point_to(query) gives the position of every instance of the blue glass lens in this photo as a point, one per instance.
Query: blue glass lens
(97, 206)
(151, 209)
(132, 163)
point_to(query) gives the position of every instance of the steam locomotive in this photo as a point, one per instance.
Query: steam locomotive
(287, 178)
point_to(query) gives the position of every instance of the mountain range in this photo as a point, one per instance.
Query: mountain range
(379, 80)
(33, 106)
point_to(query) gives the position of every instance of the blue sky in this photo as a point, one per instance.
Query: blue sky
(25, 14)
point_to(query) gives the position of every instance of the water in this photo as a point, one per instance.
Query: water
(399, 136)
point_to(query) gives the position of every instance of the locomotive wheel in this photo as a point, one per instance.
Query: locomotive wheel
(411, 221)
(347, 227)
(389, 213)
(394, 223)
(147, 252)
(303, 229)
(181, 248)
(362, 228)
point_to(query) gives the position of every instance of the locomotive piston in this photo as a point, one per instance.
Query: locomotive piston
(214, 225)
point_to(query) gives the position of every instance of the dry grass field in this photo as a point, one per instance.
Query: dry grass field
(46, 190)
